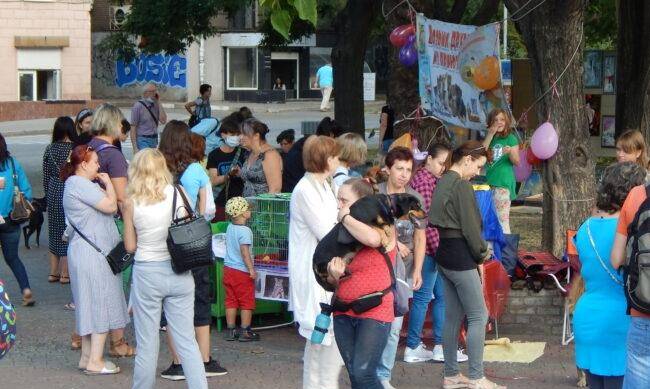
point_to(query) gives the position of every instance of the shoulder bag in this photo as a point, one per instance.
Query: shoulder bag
(189, 239)
(22, 209)
(118, 259)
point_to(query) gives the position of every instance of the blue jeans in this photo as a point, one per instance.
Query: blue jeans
(387, 361)
(144, 142)
(385, 144)
(637, 373)
(9, 238)
(432, 285)
(361, 342)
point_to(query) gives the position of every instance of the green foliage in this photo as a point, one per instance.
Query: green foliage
(600, 26)
(283, 14)
(169, 26)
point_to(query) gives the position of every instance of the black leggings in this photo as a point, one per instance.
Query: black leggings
(595, 381)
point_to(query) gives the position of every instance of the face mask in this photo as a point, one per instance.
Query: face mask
(232, 141)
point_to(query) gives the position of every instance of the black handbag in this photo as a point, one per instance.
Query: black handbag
(189, 240)
(194, 120)
(118, 259)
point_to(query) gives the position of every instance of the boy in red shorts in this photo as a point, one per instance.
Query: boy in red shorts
(238, 272)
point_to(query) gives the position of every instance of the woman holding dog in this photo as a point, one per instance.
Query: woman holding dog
(55, 156)
(460, 258)
(312, 215)
(600, 322)
(10, 231)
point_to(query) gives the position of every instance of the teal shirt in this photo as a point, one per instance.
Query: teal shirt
(7, 194)
(325, 76)
(500, 172)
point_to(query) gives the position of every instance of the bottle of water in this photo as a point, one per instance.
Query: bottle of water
(323, 321)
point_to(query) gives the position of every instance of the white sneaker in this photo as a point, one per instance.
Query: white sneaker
(386, 384)
(439, 356)
(418, 354)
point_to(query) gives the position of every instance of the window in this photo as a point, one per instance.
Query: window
(38, 85)
(242, 68)
(318, 56)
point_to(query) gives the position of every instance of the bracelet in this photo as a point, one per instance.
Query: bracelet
(343, 218)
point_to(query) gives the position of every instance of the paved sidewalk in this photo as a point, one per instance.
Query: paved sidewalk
(42, 358)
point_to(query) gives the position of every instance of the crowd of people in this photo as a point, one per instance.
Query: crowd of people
(91, 190)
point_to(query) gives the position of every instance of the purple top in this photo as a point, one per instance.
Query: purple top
(141, 118)
(111, 159)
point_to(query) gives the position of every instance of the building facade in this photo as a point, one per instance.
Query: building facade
(45, 46)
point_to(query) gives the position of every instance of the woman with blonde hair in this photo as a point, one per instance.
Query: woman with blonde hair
(631, 147)
(107, 129)
(353, 153)
(147, 216)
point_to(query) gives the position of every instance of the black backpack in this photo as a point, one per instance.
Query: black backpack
(637, 263)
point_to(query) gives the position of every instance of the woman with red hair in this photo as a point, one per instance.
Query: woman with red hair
(97, 292)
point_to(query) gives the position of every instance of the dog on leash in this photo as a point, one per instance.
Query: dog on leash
(36, 220)
(379, 212)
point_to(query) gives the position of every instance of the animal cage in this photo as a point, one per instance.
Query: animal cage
(270, 226)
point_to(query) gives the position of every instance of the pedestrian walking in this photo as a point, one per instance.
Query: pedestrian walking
(325, 81)
(146, 115)
(12, 175)
(148, 214)
(97, 292)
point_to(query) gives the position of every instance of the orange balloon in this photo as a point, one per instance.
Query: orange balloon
(486, 74)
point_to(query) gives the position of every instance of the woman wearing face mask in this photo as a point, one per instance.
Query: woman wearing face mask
(262, 171)
(460, 258)
(224, 164)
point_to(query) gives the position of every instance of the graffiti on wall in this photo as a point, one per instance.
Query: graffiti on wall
(170, 70)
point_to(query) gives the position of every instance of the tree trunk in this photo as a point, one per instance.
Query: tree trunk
(633, 62)
(353, 26)
(551, 33)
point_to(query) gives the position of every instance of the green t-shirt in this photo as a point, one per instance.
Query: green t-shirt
(500, 172)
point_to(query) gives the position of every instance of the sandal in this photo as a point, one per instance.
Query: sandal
(109, 368)
(456, 382)
(75, 341)
(130, 351)
(53, 278)
(28, 300)
(484, 383)
(64, 280)
(69, 307)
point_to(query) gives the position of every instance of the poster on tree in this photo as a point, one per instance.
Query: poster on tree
(460, 72)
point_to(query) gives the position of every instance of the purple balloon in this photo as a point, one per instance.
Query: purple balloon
(544, 141)
(408, 56)
(410, 40)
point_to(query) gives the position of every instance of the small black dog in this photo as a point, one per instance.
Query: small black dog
(36, 220)
(378, 211)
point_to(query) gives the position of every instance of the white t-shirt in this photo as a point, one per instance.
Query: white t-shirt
(152, 223)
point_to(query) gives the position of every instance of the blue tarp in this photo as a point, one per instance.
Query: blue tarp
(492, 231)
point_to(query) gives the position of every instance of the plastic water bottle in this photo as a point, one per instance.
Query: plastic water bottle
(323, 321)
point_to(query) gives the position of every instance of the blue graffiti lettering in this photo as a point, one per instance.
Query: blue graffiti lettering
(168, 70)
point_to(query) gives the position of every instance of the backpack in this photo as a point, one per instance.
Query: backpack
(637, 264)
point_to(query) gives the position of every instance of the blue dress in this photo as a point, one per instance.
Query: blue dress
(600, 321)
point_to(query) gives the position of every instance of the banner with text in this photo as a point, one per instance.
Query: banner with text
(460, 72)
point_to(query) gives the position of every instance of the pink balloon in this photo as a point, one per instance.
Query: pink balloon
(400, 35)
(544, 141)
(523, 170)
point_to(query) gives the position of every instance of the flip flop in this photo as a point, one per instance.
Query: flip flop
(53, 278)
(69, 307)
(109, 368)
(62, 278)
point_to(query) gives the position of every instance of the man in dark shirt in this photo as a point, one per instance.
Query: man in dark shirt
(386, 122)
(293, 169)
